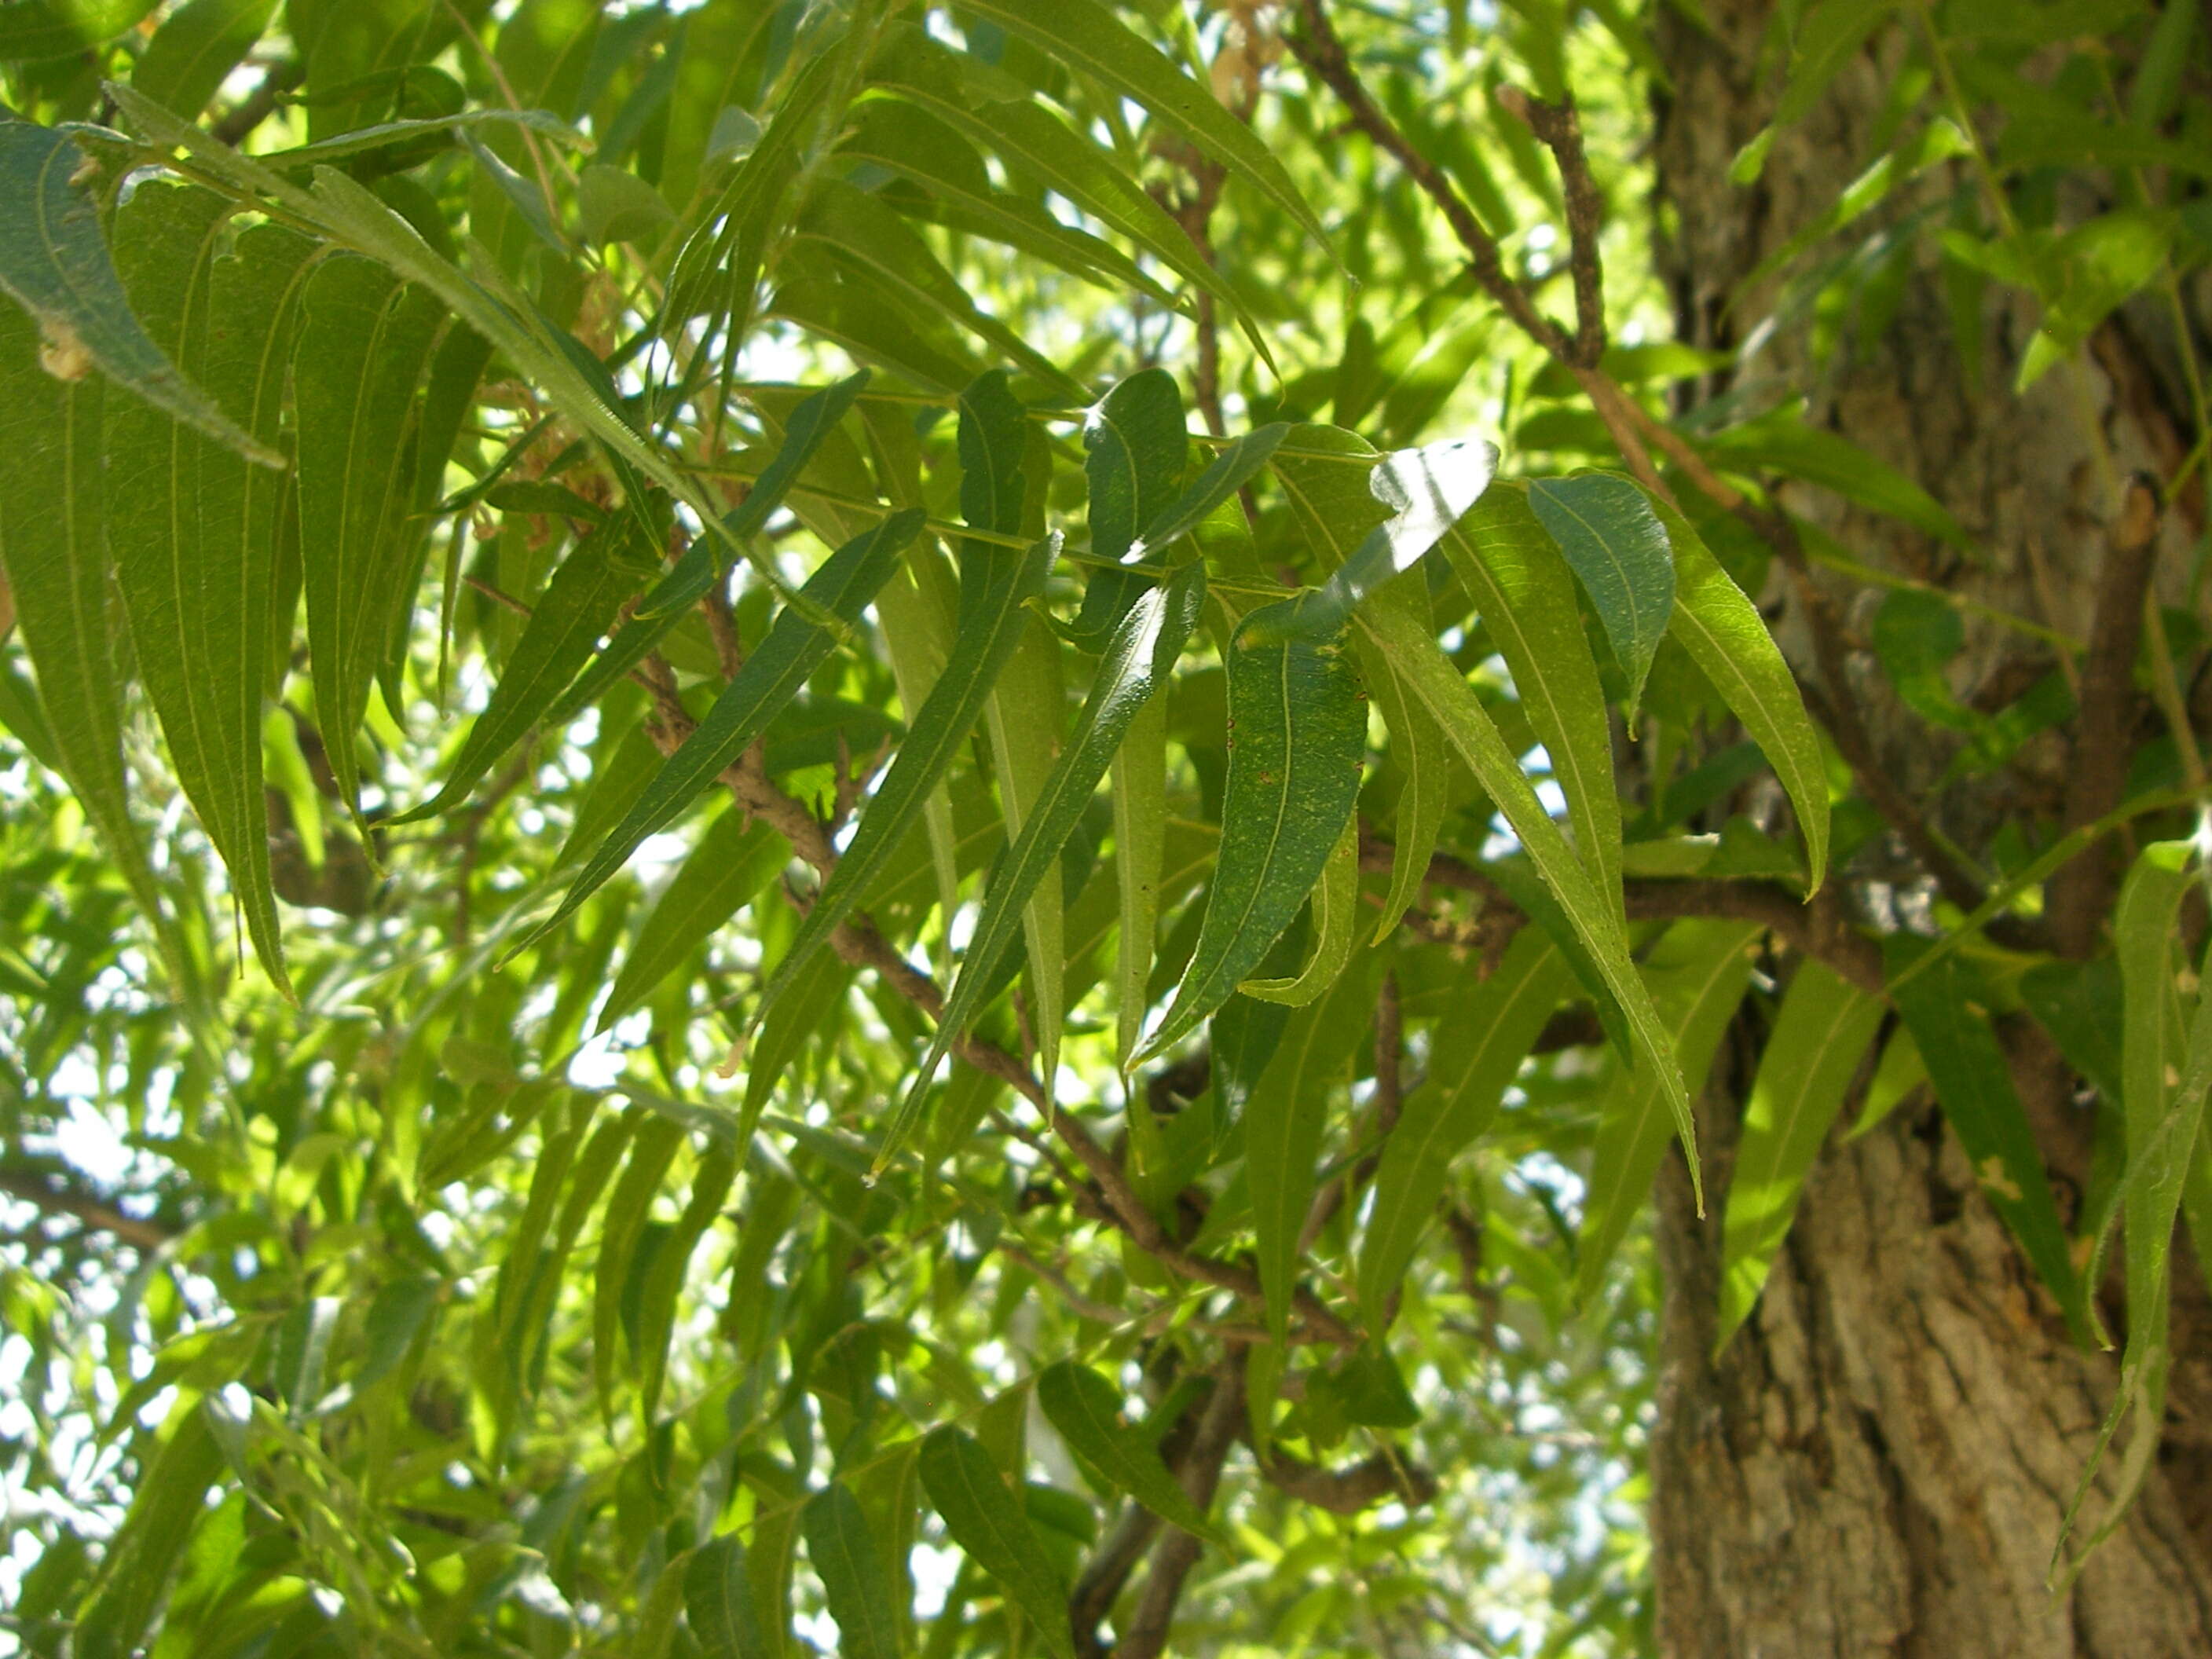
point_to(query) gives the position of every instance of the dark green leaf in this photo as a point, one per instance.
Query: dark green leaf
(984, 1519)
(854, 1581)
(996, 585)
(1618, 546)
(1087, 1410)
(718, 1602)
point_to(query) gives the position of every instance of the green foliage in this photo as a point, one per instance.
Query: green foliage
(621, 548)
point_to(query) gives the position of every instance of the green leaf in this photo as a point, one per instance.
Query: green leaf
(1032, 141)
(1698, 972)
(1722, 629)
(805, 431)
(1244, 1035)
(616, 206)
(859, 229)
(1781, 440)
(670, 1270)
(909, 141)
(171, 1495)
(1087, 1410)
(1140, 843)
(54, 262)
(199, 45)
(1135, 448)
(192, 523)
(1340, 508)
(1830, 37)
(364, 338)
(777, 671)
(1523, 591)
(1090, 40)
(653, 1148)
(1335, 904)
(1947, 1011)
(986, 1520)
(2163, 1090)
(605, 568)
(53, 547)
(1137, 665)
(1615, 542)
(854, 1581)
(1417, 658)
(1298, 733)
(734, 862)
(1479, 1045)
(996, 586)
(785, 1030)
(1820, 1035)
(1284, 1123)
(39, 31)
(772, 676)
(2083, 1005)
(718, 1602)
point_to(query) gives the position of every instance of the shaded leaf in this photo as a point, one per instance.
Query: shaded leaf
(854, 1581)
(985, 1519)
(1087, 1410)
(1618, 546)
(1820, 1035)
(1479, 1044)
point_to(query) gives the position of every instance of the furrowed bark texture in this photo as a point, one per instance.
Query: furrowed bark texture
(1878, 1463)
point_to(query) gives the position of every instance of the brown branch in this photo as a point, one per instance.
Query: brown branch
(1351, 1490)
(1561, 130)
(1177, 1551)
(61, 1200)
(261, 103)
(2080, 896)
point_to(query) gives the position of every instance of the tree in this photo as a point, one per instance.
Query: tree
(710, 946)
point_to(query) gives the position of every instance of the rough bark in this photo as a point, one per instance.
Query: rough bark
(1877, 1464)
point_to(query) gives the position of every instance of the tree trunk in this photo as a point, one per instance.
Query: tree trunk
(1878, 1462)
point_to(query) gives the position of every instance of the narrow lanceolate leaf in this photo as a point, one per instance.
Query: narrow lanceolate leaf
(1335, 908)
(1819, 1036)
(565, 626)
(1284, 1126)
(1697, 973)
(775, 673)
(1087, 1410)
(733, 862)
(1023, 718)
(1089, 38)
(1299, 731)
(855, 1581)
(54, 262)
(1417, 658)
(1478, 1047)
(1227, 473)
(1140, 848)
(53, 548)
(718, 1602)
(996, 586)
(804, 434)
(170, 1497)
(652, 1151)
(192, 523)
(1947, 1010)
(665, 1278)
(1425, 492)
(1136, 665)
(1339, 506)
(2162, 1110)
(1722, 630)
(1607, 528)
(986, 1520)
(364, 337)
(1244, 1035)
(1135, 447)
(1524, 592)
(200, 42)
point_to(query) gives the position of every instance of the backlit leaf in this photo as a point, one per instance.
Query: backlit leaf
(1605, 526)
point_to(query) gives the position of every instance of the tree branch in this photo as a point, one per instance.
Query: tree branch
(1177, 1551)
(59, 1197)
